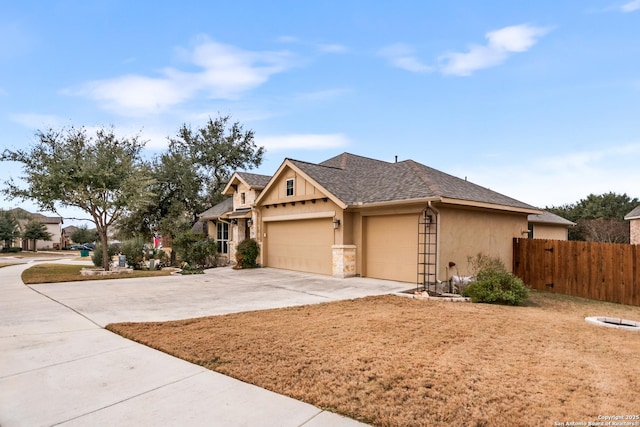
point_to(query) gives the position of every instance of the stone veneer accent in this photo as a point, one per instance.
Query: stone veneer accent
(634, 227)
(344, 260)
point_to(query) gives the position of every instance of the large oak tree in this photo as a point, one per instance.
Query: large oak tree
(189, 177)
(102, 175)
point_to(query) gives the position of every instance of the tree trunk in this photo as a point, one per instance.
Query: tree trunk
(106, 262)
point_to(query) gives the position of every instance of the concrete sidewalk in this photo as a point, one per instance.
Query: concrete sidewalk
(58, 366)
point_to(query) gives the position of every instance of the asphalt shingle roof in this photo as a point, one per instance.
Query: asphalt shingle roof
(254, 179)
(549, 218)
(356, 179)
(216, 210)
(633, 214)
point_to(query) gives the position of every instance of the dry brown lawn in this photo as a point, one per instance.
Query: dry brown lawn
(395, 361)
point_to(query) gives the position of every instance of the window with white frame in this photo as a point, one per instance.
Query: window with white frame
(222, 237)
(290, 187)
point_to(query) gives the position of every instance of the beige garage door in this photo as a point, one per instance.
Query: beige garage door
(301, 245)
(391, 247)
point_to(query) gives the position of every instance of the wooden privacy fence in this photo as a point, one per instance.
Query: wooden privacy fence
(599, 271)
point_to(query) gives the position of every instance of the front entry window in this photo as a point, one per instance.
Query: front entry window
(222, 238)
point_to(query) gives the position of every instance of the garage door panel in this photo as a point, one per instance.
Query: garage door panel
(301, 245)
(391, 247)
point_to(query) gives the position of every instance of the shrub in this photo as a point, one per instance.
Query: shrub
(195, 248)
(247, 254)
(133, 251)
(188, 269)
(203, 252)
(494, 284)
(96, 258)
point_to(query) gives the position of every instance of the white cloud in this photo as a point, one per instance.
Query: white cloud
(303, 141)
(323, 95)
(332, 48)
(37, 121)
(631, 6)
(287, 39)
(501, 43)
(402, 56)
(565, 178)
(224, 72)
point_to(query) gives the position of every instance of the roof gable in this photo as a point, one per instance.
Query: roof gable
(314, 174)
(251, 180)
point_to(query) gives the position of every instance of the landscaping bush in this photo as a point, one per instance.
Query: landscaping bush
(96, 258)
(494, 284)
(195, 248)
(203, 252)
(133, 250)
(247, 253)
(188, 269)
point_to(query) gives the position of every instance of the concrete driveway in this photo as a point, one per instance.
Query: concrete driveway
(58, 366)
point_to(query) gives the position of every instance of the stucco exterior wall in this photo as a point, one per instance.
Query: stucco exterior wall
(551, 232)
(467, 232)
(634, 227)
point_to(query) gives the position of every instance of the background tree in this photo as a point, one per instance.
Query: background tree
(103, 176)
(599, 218)
(190, 176)
(215, 151)
(83, 235)
(34, 231)
(9, 229)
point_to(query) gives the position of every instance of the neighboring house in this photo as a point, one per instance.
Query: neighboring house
(548, 225)
(634, 225)
(53, 224)
(352, 215)
(232, 221)
(66, 236)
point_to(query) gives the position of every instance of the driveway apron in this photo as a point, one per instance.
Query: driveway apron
(58, 366)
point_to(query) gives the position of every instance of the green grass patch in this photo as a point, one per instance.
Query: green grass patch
(54, 273)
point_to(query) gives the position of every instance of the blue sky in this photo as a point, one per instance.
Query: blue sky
(537, 100)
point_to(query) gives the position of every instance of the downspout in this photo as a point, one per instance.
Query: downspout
(437, 237)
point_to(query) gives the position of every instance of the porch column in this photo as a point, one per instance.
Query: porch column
(344, 260)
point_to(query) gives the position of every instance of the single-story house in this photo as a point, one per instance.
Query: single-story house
(634, 225)
(352, 215)
(548, 225)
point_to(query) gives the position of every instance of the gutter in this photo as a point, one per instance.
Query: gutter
(358, 205)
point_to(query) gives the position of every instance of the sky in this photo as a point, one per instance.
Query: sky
(537, 100)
